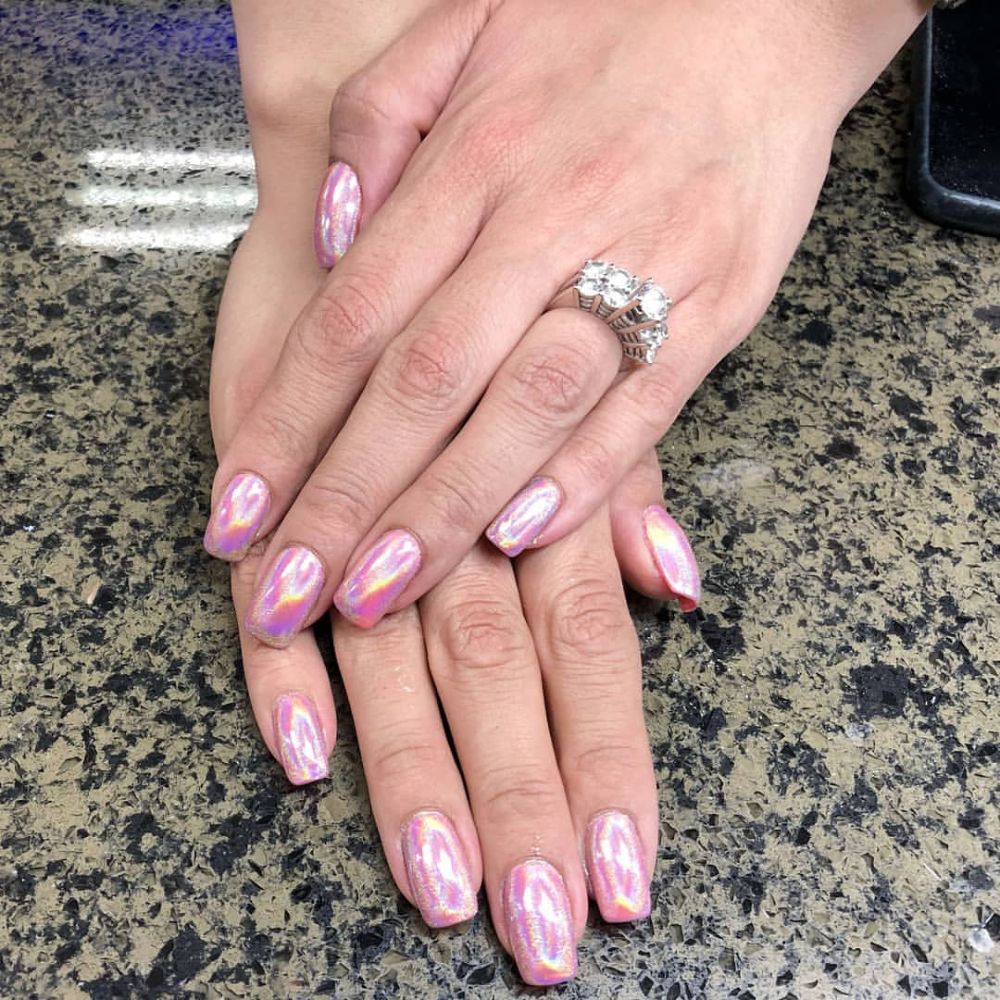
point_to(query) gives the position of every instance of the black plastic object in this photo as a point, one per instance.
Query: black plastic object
(953, 176)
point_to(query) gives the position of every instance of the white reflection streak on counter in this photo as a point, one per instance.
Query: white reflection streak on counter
(228, 203)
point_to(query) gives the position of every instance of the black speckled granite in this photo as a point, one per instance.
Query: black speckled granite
(825, 729)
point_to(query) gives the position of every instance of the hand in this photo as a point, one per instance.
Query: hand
(683, 140)
(483, 641)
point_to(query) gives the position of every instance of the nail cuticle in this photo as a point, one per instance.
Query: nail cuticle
(523, 520)
(437, 869)
(283, 602)
(235, 523)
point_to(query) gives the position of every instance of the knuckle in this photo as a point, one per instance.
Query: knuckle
(455, 500)
(286, 436)
(337, 497)
(515, 793)
(431, 371)
(481, 638)
(609, 764)
(595, 462)
(359, 105)
(401, 756)
(552, 385)
(283, 99)
(343, 325)
(656, 395)
(588, 620)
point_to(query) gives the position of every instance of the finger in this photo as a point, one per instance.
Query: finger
(589, 654)
(549, 382)
(483, 662)
(416, 790)
(420, 392)
(333, 344)
(289, 691)
(653, 552)
(632, 417)
(380, 114)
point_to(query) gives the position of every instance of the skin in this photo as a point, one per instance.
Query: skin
(697, 163)
(490, 634)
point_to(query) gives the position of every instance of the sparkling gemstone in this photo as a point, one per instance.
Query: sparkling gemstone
(653, 301)
(614, 297)
(593, 269)
(619, 280)
(654, 335)
(588, 286)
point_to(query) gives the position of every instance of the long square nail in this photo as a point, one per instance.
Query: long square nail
(540, 923)
(338, 212)
(674, 558)
(437, 870)
(237, 517)
(520, 523)
(299, 733)
(616, 868)
(283, 601)
(379, 578)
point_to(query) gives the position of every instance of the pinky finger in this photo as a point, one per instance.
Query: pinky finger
(653, 552)
(289, 690)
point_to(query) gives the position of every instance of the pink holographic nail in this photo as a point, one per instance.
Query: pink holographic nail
(540, 923)
(437, 870)
(283, 601)
(672, 554)
(616, 868)
(520, 523)
(338, 211)
(381, 575)
(300, 738)
(237, 518)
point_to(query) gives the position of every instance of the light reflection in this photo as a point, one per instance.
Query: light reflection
(205, 212)
(240, 161)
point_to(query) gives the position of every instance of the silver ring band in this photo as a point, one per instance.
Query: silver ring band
(635, 310)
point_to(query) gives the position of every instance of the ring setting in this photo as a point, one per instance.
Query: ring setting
(635, 310)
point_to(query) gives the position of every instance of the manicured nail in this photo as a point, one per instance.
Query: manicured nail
(338, 211)
(237, 518)
(283, 602)
(539, 923)
(616, 868)
(383, 573)
(437, 870)
(672, 554)
(520, 523)
(300, 739)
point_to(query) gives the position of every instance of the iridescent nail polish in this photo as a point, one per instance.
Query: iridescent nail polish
(540, 923)
(520, 523)
(672, 554)
(237, 518)
(379, 578)
(616, 868)
(283, 601)
(300, 738)
(437, 870)
(338, 211)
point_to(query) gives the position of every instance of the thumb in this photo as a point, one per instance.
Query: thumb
(380, 114)
(653, 552)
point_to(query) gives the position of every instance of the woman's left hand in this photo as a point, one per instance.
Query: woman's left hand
(426, 382)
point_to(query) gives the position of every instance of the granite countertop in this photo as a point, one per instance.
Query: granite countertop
(825, 728)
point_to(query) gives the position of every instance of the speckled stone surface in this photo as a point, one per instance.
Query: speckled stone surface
(825, 728)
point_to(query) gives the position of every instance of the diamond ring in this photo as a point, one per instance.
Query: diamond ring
(635, 310)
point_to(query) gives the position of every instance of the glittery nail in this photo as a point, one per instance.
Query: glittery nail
(381, 575)
(300, 738)
(616, 868)
(672, 554)
(234, 523)
(437, 870)
(540, 923)
(338, 211)
(520, 523)
(283, 601)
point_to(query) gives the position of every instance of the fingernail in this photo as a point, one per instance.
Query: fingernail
(383, 573)
(539, 923)
(520, 523)
(338, 211)
(300, 738)
(672, 554)
(437, 870)
(237, 518)
(283, 602)
(616, 868)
